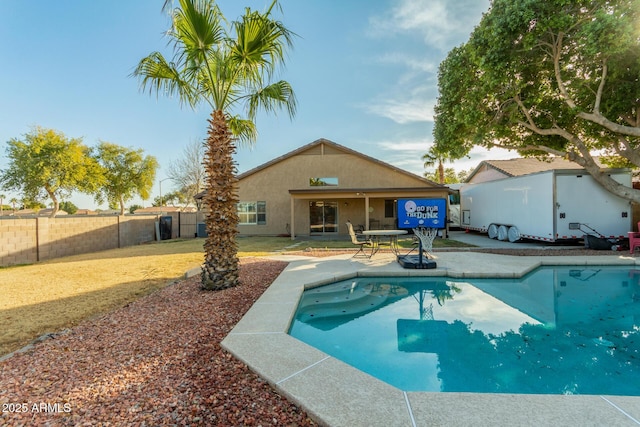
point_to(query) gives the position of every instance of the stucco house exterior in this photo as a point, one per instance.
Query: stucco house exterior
(317, 188)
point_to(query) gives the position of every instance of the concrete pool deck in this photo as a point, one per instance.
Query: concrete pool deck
(336, 394)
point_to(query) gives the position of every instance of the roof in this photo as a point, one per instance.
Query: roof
(526, 165)
(164, 209)
(336, 146)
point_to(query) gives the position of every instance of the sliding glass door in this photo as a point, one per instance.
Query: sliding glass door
(323, 217)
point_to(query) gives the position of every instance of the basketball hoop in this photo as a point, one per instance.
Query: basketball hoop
(426, 236)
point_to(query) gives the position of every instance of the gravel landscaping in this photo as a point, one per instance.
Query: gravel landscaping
(156, 361)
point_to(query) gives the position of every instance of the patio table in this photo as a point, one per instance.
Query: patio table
(378, 235)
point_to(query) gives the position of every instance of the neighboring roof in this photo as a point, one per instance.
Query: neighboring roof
(85, 212)
(526, 165)
(164, 209)
(337, 147)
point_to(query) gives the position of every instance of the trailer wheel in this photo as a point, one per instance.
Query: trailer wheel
(502, 232)
(513, 234)
(492, 231)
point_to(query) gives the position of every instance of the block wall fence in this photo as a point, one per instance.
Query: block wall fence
(29, 240)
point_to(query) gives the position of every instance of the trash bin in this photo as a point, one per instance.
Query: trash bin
(202, 229)
(165, 227)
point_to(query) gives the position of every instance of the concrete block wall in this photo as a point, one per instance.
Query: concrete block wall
(29, 240)
(18, 241)
(64, 236)
(135, 230)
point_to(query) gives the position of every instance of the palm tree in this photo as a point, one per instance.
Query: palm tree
(226, 66)
(13, 202)
(433, 158)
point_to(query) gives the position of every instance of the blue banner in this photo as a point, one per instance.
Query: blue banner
(428, 213)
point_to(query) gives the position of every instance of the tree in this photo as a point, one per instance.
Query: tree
(464, 174)
(547, 77)
(227, 68)
(48, 164)
(134, 208)
(188, 171)
(68, 207)
(450, 176)
(13, 202)
(127, 172)
(174, 198)
(32, 204)
(432, 158)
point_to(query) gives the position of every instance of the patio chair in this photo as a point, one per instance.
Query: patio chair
(361, 241)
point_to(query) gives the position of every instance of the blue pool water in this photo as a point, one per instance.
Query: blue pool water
(558, 330)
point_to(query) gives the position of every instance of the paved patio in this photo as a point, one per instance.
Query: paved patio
(336, 394)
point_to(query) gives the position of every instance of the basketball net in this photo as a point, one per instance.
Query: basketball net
(426, 237)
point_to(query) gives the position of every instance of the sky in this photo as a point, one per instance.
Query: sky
(364, 73)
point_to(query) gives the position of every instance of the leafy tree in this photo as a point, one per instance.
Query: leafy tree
(68, 207)
(32, 204)
(188, 171)
(463, 175)
(450, 176)
(547, 77)
(127, 173)
(226, 67)
(174, 198)
(134, 208)
(48, 164)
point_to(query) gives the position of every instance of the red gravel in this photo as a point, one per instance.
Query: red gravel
(157, 361)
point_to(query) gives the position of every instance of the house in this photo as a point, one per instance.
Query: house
(317, 188)
(490, 170)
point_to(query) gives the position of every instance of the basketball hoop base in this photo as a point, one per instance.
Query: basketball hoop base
(425, 244)
(414, 262)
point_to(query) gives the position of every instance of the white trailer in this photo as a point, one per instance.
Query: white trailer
(550, 206)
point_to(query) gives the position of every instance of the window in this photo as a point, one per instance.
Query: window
(323, 182)
(389, 208)
(252, 213)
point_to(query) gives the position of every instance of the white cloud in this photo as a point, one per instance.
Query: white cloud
(403, 112)
(441, 23)
(422, 31)
(407, 154)
(415, 63)
(415, 146)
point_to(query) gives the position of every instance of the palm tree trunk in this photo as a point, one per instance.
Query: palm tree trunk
(220, 268)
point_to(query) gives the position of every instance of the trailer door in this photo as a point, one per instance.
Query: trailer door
(580, 199)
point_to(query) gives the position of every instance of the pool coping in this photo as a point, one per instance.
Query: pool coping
(336, 394)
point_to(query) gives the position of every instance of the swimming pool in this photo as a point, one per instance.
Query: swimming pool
(558, 330)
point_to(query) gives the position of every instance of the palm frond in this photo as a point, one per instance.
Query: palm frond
(259, 42)
(272, 98)
(243, 129)
(197, 29)
(160, 76)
